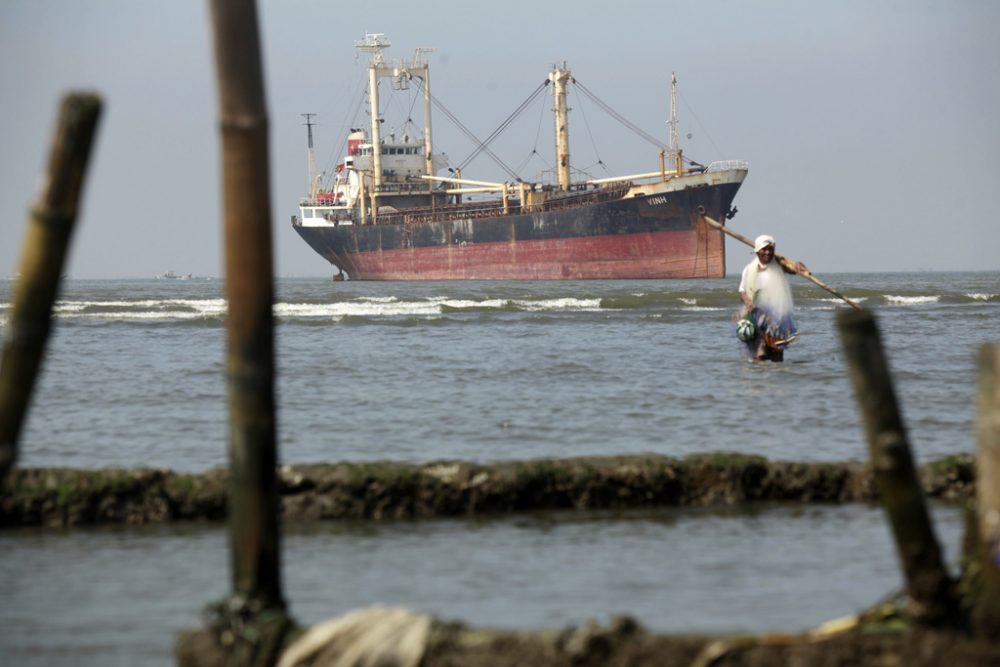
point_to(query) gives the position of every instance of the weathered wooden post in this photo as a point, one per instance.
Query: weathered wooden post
(50, 229)
(986, 615)
(251, 624)
(931, 591)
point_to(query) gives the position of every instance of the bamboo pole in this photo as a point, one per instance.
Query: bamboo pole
(253, 498)
(50, 228)
(986, 616)
(785, 262)
(931, 591)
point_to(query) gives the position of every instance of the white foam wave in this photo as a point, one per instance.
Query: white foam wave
(195, 304)
(378, 307)
(144, 309)
(469, 303)
(979, 296)
(392, 307)
(860, 299)
(375, 307)
(689, 302)
(566, 303)
(911, 300)
(146, 315)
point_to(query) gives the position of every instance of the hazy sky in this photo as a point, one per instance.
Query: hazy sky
(870, 127)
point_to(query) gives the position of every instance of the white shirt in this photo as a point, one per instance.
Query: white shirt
(764, 274)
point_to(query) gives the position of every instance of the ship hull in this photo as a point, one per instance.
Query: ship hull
(655, 235)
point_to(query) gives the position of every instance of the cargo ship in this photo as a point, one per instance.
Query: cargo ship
(387, 214)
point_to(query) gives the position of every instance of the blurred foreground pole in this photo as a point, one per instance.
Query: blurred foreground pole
(253, 497)
(50, 228)
(931, 591)
(987, 613)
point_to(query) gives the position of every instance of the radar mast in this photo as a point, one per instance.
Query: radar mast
(374, 44)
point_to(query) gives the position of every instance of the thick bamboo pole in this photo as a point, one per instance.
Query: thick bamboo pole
(50, 229)
(931, 591)
(253, 499)
(987, 613)
(784, 261)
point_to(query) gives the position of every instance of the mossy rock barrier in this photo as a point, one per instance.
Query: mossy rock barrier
(65, 497)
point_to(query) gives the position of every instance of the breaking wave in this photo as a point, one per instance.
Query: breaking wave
(361, 308)
(910, 300)
(142, 310)
(311, 302)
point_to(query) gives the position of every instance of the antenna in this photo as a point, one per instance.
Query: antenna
(373, 44)
(673, 114)
(309, 124)
(418, 55)
(312, 158)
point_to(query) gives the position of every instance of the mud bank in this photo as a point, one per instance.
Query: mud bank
(624, 642)
(65, 497)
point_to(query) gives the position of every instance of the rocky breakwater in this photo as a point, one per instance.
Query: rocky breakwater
(66, 497)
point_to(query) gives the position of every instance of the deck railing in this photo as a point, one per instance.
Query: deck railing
(487, 209)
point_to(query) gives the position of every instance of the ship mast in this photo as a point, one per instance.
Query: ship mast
(421, 65)
(374, 44)
(559, 77)
(675, 146)
(312, 155)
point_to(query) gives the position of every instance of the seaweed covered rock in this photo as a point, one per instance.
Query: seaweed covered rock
(388, 490)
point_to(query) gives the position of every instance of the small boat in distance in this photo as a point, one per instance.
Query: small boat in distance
(388, 215)
(170, 275)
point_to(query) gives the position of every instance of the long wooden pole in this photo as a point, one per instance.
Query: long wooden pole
(50, 229)
(986, 616)
(930, 588)
(787, 263)
(253, 452)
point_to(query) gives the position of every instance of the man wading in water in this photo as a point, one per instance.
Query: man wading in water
(767, 298)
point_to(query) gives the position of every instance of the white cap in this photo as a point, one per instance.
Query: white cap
(762, 242)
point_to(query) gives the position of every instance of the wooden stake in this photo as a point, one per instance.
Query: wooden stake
(986, 616)
(50, 228)
(931, 591)
(253, 498)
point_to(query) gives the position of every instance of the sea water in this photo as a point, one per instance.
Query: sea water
(490, 371)
(482, 371)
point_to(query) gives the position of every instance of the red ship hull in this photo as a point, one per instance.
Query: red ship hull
(697, 253)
